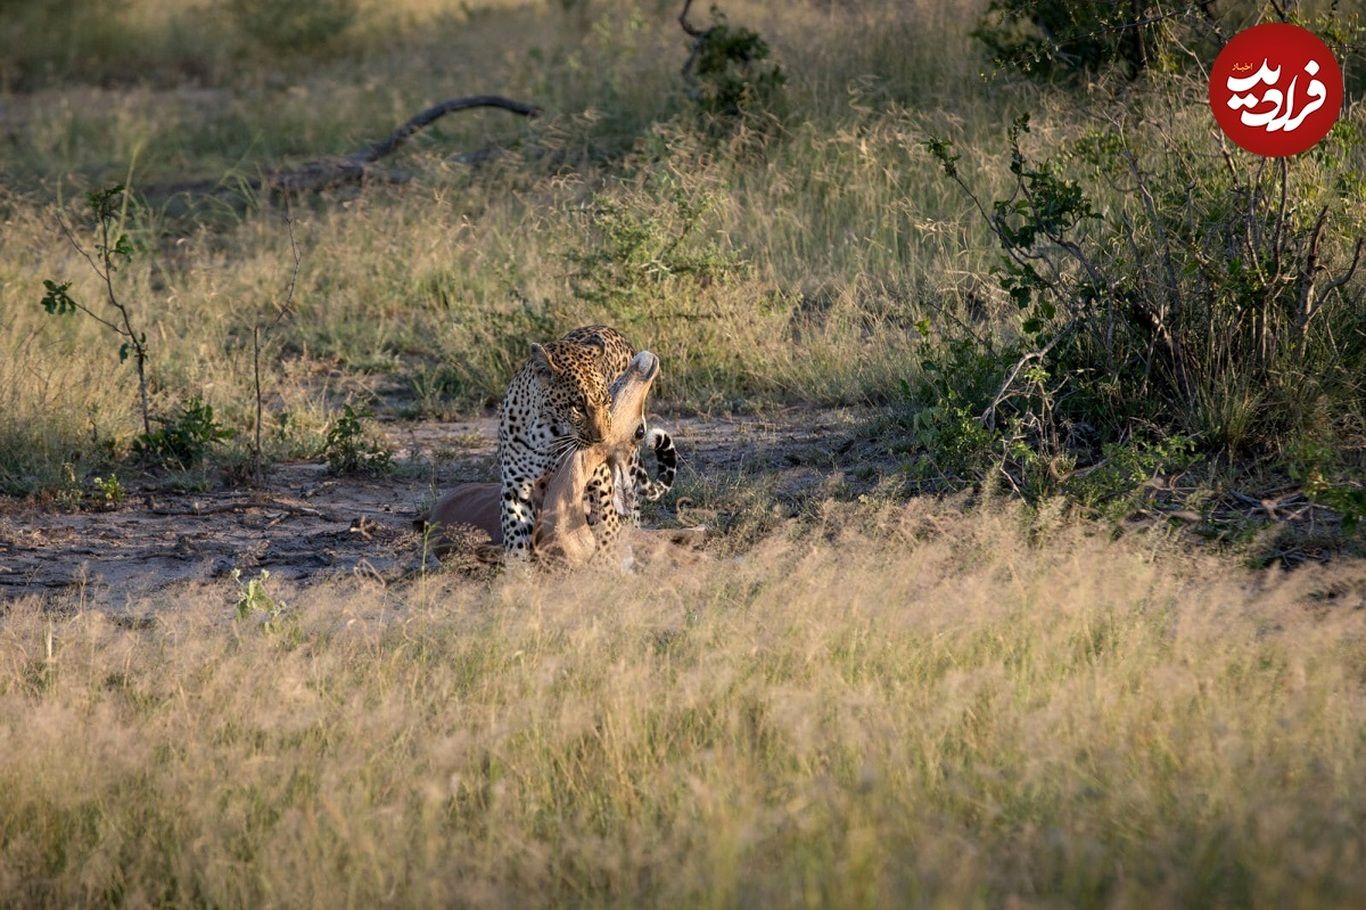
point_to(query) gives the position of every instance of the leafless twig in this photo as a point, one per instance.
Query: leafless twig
(258, 332)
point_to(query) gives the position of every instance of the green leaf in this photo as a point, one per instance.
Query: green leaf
(102, 202)
(57, 301)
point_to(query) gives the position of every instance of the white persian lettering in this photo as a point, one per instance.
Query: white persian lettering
(1281, 115)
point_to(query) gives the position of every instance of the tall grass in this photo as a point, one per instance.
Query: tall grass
(886, 707)
(838, 257)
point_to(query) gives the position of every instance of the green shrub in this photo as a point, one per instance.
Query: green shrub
(728, 70)
(637, 242)
(1169, 299)
(1202, 300)
(1058, 37)
(1125, 467)
(184, 439)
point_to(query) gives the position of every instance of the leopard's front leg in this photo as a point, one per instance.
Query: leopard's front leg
(603, 515)
(517, 518)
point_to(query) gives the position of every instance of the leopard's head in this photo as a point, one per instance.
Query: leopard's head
(573, 377)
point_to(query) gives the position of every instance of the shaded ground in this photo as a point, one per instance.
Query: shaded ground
(307, 525)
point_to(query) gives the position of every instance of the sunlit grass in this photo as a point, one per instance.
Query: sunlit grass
(896, 706)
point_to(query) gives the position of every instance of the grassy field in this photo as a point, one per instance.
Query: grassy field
(1015, 643)
(881, 707)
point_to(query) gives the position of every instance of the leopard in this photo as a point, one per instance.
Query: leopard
(472, 510)
(583, 511)
(557, 403)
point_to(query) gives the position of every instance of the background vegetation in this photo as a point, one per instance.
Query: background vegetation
(764, 202)
(1009, 233)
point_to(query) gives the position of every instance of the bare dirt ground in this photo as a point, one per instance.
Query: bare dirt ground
(306, 525)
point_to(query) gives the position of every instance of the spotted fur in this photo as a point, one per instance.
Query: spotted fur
(557, 402)
(666, 465)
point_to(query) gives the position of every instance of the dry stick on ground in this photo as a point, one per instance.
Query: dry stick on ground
(257, 332)
(278, 505)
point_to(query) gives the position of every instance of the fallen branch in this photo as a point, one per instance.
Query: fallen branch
(321, 175)
(252, 505)
(326, 173)
(401, 135)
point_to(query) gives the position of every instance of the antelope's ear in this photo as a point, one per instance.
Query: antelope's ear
(544, 363)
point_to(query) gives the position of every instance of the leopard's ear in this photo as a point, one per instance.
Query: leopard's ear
(543, 362)
(599, 343)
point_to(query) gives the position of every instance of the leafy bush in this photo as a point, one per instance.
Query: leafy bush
(1059, 37)
(1125, 467)
(1200, 301)
(635, 244)
(727, 69)
(1194, 304)
(185, 439)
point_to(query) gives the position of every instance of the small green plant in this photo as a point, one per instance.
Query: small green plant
(185, 439)
(113, 249)
(69, 494)
(350, 450)
(72, 494)
(1329, 480)
(254, 600)
(108, 491)
(1113, 483)
(635, 244)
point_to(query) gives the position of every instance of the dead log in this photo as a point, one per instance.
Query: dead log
(326, 173)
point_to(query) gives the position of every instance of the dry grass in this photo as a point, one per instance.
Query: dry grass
(887, 707)
(873, 705)
(430, 292)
